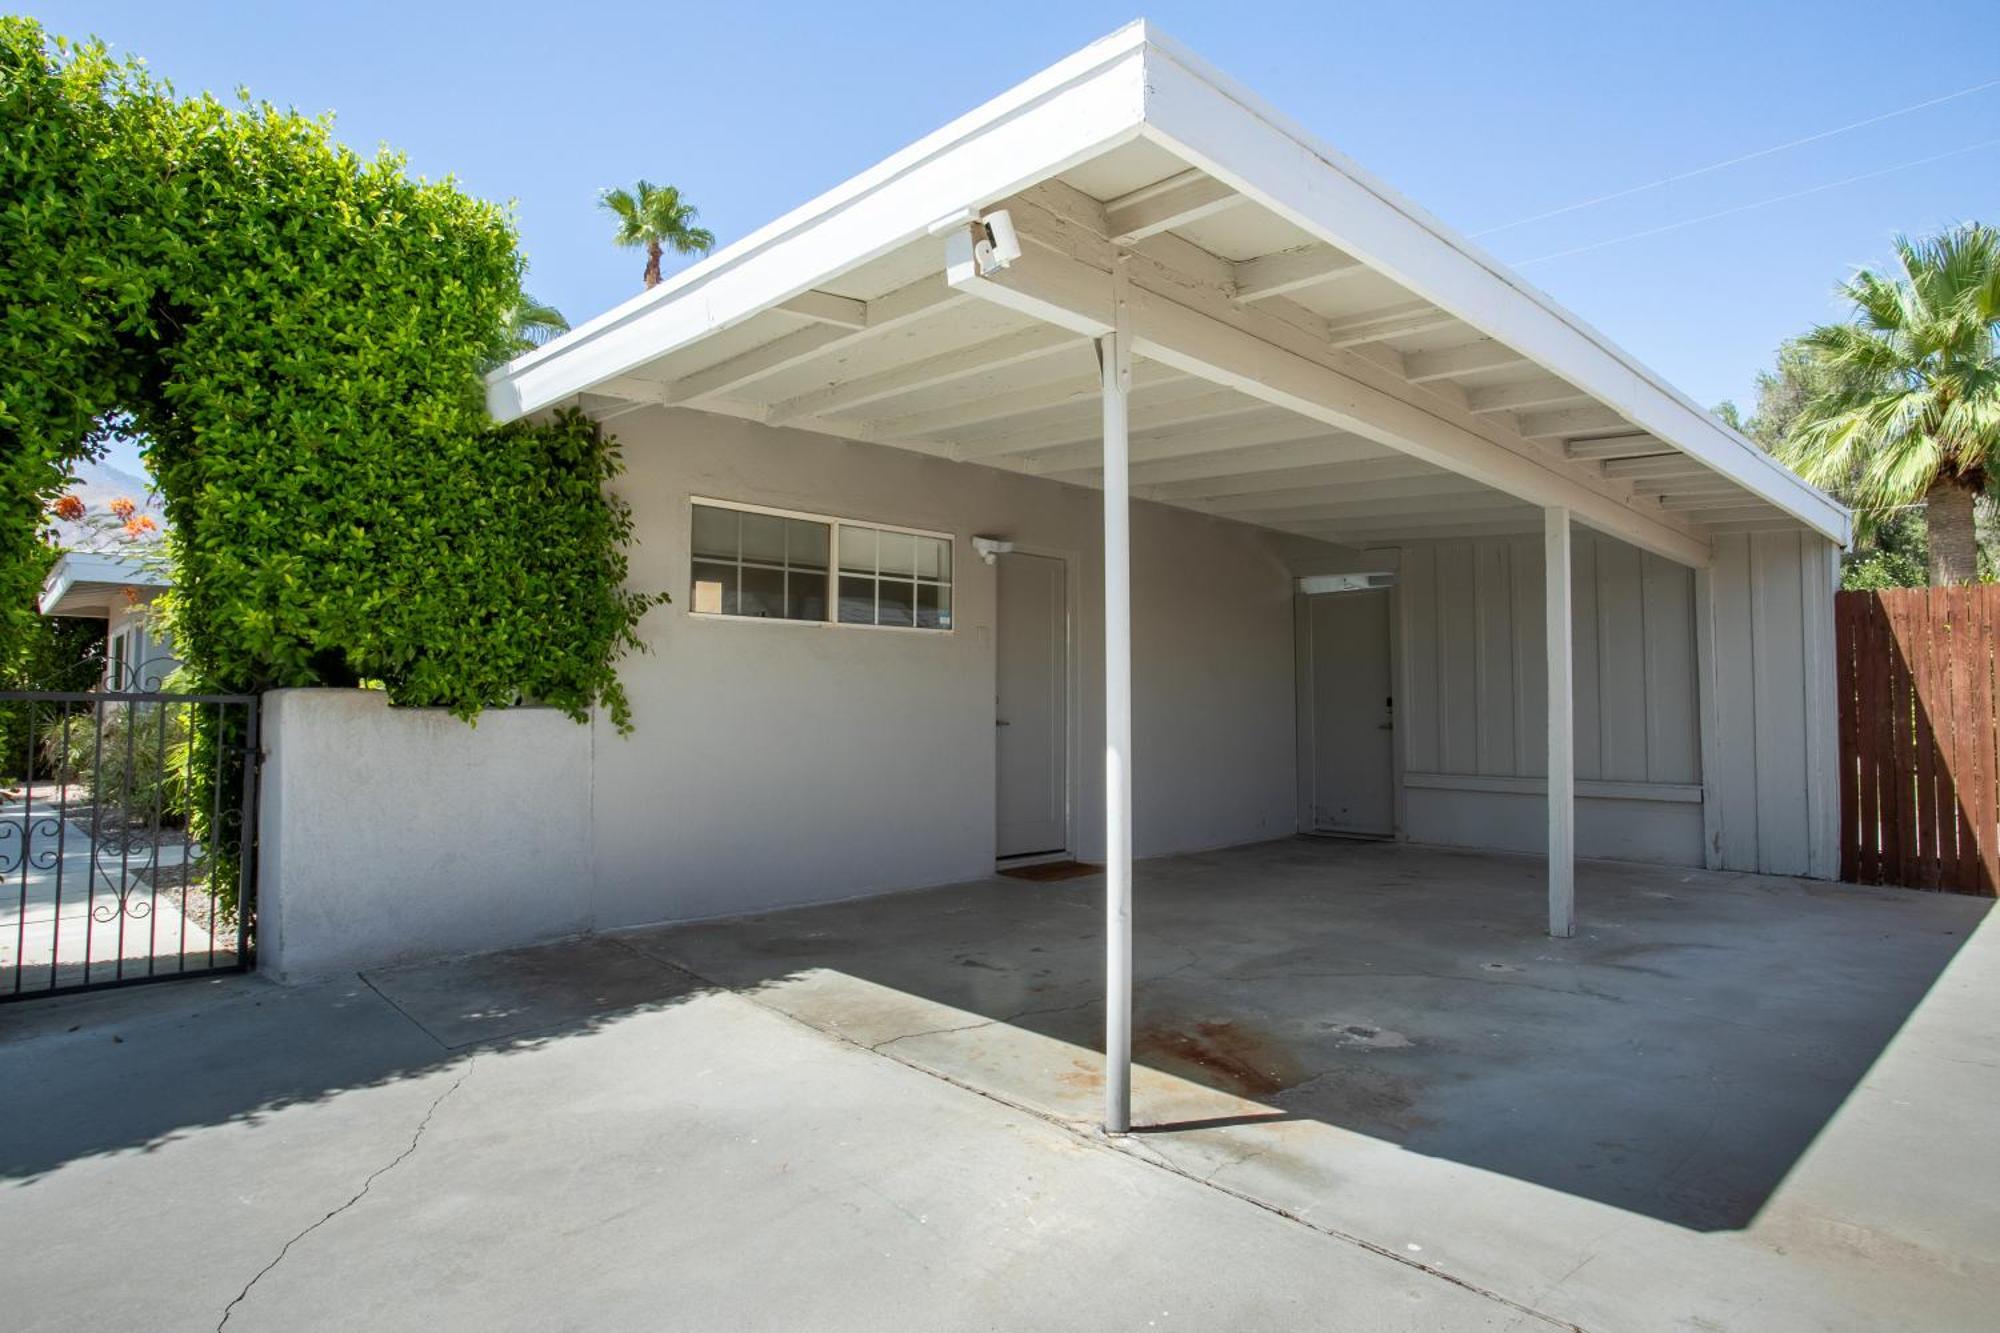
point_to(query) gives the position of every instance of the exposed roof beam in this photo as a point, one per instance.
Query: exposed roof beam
(1714, 500)
(1245, 465)
(1240, 348)
(1569, 421)
(1394, 322)
(984, 404)
(1355, 479)
(1423, 367)
(1289, 271)
(1022, 345)
(1529, 523)
(1179, 412)
(1621, 446)
(827, 308)
(1171, 203)
(915, 301)
(1335, 502)
(1666, 465)
(1183, 442)
(1390, 525)
(1524, 397)
(1357, 472)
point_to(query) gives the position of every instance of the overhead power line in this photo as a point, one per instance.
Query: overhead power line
(1738, 161)
(1761, 203)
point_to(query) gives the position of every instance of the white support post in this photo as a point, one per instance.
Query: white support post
(1562, 728)
(1114, 353)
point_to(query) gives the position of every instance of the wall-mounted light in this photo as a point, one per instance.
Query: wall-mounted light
(995, 244)
(1318, 583)
(991, 548)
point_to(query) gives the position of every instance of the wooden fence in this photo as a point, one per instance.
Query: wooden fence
(1919, 756)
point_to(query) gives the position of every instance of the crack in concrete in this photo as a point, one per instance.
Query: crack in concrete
(416, 1137)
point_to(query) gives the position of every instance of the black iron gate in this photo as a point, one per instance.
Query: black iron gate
(127, 838)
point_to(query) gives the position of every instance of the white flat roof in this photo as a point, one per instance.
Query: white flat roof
(87, 584)
(1315, 353)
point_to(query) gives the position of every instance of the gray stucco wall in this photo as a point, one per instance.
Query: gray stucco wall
(779, 763)
(387, 834)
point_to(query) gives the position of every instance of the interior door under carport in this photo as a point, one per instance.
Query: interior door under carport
(1347, 714)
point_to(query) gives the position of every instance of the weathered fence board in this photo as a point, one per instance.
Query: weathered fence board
(1919, 748)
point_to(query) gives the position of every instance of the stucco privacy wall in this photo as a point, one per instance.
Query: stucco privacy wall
(782, 762)
(388, 834)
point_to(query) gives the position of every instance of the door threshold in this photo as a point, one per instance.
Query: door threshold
(1347, 835)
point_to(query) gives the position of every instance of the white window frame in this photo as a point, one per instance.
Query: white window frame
(834, 524)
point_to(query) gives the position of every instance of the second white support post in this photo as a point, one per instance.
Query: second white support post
(1115, 356)
(1562, 726)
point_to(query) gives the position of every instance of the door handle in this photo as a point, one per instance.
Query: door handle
(1001, 722)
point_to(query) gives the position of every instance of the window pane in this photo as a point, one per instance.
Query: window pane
(933, 558)
(805, 594)
(933, 606)
(714, 589)
(899, 553)
(762, 592)
(857, 551)
(805, 544)
(857, 599)
(715, 532)
(897, 604)
(764, 538)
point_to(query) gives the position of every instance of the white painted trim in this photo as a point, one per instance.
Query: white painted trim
(1069, 113)
(1115, 363)
(1675, 793)
(1212, 123)
(1072, 689)
(1708, 702)
(833, 525)
(1561, 781)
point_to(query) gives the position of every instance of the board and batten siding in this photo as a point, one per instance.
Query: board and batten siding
(1746, 643)
(1773, 742)
(1474, 714)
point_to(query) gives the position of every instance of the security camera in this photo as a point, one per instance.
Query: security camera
(991, 548)
(999, 245)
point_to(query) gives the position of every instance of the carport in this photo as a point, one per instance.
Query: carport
(1128, 274)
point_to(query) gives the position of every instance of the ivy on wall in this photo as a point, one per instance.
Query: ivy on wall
(296, 332)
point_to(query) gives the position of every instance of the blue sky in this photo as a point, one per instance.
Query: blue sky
(1483, 113)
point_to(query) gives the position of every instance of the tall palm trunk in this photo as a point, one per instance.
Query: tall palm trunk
(1954, 541)
(652, 264)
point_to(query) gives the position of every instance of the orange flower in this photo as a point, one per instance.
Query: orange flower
(138, 525)
(68, 508)
(123, 507)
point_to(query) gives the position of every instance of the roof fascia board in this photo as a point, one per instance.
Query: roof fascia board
(1069, 113)
(1211, 123)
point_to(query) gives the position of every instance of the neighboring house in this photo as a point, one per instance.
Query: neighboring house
(1410, 551)
(118, 590)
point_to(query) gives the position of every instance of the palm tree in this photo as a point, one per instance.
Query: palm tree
(656, 217)
(1911, 407)
(532, 323)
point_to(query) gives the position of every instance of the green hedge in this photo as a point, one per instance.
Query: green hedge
(296, 332)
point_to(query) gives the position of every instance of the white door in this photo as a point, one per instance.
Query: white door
(1350, 726)
(1031, 712)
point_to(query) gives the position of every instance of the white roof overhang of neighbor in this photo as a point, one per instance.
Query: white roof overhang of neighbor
(1313, 353)
(88, 585)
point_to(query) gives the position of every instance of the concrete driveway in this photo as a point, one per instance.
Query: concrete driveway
(877, 1115)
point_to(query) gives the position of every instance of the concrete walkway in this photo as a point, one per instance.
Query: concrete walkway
(876, 1116)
